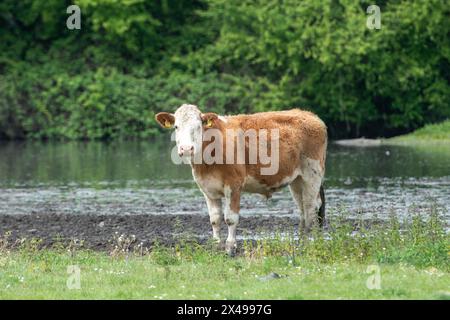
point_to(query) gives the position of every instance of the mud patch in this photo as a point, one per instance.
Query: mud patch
(98, 231)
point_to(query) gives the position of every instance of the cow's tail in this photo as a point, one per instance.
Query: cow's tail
(322, 207)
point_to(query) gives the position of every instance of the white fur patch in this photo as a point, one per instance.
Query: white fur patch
(214, 210)
(188, 125)
(312, 175)
(311, 170)
(211, 187)
(231, 218)
(215, 215)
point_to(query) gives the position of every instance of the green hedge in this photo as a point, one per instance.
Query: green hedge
(106, 103)
(137, 57)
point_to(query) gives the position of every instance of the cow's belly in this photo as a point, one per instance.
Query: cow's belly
(253, 185)
(213, 187)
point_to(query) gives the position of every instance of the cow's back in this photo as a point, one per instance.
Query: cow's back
(297, 128)
(302, 137)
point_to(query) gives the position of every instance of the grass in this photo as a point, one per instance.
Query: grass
(411, 259)
(439, 132)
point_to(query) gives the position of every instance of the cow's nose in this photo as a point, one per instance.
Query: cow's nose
(186, 150)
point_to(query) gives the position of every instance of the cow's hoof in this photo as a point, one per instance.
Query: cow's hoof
(231, 252)
(230, 248)
(218, 243)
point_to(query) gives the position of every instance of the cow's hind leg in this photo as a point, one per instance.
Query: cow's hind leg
(296, 191)
(215, 216)
(311, 183)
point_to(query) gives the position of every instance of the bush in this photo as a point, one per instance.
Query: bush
(105, 103)
(134, 58)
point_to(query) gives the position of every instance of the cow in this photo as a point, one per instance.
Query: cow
(298, 137)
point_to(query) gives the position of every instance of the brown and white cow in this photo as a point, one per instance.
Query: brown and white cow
(297, 137)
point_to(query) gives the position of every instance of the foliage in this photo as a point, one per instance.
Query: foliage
(137, 57)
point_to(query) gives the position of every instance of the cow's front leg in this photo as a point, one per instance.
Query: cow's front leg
(232, 205)
(215, 215)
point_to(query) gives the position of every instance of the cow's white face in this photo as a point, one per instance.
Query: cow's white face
(189, 124)
(188, 130)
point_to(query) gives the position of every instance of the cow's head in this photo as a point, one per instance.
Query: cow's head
(189, 124)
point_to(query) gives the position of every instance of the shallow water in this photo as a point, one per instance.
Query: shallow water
(140, 178)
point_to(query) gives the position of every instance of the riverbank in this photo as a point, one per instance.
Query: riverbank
(438, 133)
(433, 134)
(351, 260)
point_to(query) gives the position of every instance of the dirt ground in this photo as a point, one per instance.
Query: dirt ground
(98, 231)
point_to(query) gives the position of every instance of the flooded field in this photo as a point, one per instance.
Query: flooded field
(138, 178)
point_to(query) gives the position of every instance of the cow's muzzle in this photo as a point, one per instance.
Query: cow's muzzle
(185, 151)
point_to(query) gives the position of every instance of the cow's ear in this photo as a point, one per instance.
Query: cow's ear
(165, 119)
(209, 119)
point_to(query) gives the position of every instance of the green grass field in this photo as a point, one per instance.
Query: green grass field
(434, 133)
(45, 276)
(377, 262)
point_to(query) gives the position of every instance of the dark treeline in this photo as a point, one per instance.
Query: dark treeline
(133, 58)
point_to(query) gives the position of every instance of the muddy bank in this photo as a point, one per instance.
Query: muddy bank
(98, 231)
(359, 142)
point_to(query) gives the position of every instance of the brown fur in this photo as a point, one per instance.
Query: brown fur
(302, 135)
